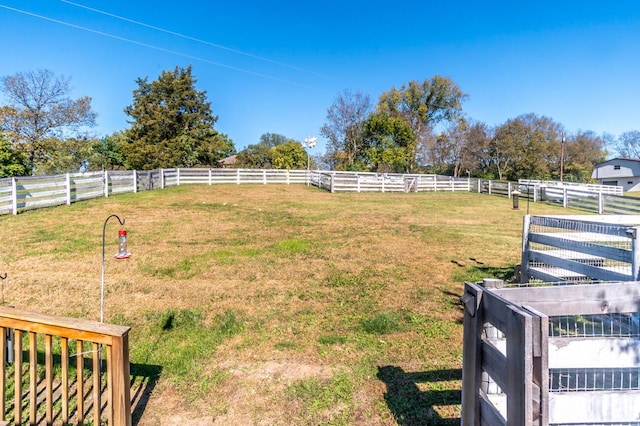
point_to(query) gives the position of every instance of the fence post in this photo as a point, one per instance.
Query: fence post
(358, 182)
(565, 197)
(106, 183)
(471, 354)
(135, 181)
(490, 183)
(68, 188)
(14, 195)
(264, 177)
(331, 183)
(210, 177)
(161, 178)
(508, 189)
(178, 176)
(600, 203)
(238, 176)
(121, 399)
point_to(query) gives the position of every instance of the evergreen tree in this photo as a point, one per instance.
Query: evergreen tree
(172, 125)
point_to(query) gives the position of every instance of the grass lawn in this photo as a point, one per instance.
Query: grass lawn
(274, 304)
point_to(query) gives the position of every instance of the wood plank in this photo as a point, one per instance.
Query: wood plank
(17, 377)
(49, 378)
(558, 240)
(576, 299)
(33, 377)
(73, 328)
(97, 388)
(519, 367)
(541, 362)
(494, 362)
(599, 273)
(491, 415)
(3, 373)
(64, 367)
(80, 380)
(471, 355)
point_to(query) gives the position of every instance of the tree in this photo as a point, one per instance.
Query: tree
(260, 155)
(527, 146)
(40, 109)
(582, 152)
(172, 125)
(12, 162)
(343, 128)
(628, 145)
(107, 153)
(289, 155)
(387, 142)
(423, 105)
(68, 156)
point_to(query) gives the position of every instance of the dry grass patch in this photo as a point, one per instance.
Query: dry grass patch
(275, 304)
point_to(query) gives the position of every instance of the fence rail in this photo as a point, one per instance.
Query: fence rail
(75, 394)
(26, 193)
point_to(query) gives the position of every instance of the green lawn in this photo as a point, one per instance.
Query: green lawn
(275, 304)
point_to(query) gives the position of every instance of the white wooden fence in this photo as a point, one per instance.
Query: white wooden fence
(26, 193)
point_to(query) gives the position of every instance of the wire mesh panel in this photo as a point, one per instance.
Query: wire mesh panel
(579, 248)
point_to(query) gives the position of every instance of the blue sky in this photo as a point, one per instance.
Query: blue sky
(277, 66)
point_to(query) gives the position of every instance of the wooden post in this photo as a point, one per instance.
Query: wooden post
(14, 195)
(161, 178)
(519, 367)
(177, 176)
(565, 197)
(121, 380)
(600, 203)
(135, 181)
(471, 355)
(106, 183)
(3, 373)
(68, 188)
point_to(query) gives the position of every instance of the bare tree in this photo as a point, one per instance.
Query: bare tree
(628, 145)
(346, 119)
(39, 108)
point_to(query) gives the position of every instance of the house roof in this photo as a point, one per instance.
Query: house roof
(229, 161)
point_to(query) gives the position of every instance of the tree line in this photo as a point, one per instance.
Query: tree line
(418, 127)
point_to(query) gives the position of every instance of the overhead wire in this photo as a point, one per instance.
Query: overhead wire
(150, 46)
(198, 40)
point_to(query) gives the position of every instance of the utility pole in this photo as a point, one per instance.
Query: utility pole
(562, 157)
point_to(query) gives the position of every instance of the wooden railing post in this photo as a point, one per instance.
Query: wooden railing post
(120, 379)
(471, 355)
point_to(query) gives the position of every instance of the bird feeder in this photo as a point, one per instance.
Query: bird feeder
(122, 245)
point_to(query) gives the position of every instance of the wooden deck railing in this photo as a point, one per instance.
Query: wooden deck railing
(65, 392)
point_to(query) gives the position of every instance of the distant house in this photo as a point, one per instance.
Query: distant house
(624, 172)
(229, 162)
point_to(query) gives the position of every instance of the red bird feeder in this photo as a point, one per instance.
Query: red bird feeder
(122, 245)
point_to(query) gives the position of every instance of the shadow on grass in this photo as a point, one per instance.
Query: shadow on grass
(144, 378)
(411, 406)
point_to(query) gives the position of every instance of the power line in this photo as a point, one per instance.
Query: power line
(219, 46)
(150, 46)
